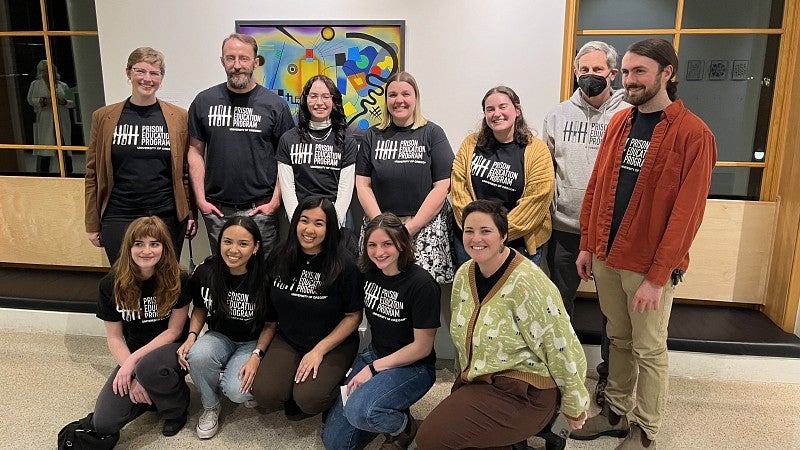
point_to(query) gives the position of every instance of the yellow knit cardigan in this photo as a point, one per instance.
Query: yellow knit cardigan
(530, 218)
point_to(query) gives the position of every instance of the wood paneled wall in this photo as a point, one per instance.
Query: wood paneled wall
(730, 255)
(41, 222)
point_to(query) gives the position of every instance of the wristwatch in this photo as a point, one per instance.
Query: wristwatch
(259, 353)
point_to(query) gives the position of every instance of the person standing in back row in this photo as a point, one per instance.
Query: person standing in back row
(573, 131)
(643, 207)
(234, 128)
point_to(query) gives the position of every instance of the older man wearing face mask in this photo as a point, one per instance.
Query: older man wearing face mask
(572, 131)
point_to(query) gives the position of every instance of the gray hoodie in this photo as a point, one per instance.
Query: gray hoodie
(572, 131)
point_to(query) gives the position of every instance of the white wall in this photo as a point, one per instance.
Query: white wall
(457, 50)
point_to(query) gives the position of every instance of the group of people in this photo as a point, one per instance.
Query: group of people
(282, 317)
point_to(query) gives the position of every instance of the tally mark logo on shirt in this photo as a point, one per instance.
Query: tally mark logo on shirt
(578, 131)
(306, 285)
(237, 118)
(148, 137)
(126, 135)
(149, 312)
(323, 156)
(383, 302)
(635, 152)
(498, 173)
(402, 151)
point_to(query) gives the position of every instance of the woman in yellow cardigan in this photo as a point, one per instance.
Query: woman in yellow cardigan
(504, 162)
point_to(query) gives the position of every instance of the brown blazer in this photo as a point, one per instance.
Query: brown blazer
(100, 172)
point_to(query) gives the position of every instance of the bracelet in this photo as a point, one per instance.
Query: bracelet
(194, 333)
(372, 369)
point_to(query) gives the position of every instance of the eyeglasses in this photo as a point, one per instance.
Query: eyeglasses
(230, 59)
(142, 72)
(315, 97)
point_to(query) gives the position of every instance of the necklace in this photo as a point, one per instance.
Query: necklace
(311, 258)
(319, 139)
(244, 278)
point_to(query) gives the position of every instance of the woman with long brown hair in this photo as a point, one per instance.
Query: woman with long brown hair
(144, 303)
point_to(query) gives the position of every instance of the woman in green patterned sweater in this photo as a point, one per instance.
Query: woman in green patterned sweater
(519, 355)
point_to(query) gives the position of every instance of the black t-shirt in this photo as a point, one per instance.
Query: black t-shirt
(142, 326)
(498, 173)
(306, 316)
(240, 324)
(142, 161)
(241, 133)
(642, 126)
(403, 165)
(396, 305)
(317, 165)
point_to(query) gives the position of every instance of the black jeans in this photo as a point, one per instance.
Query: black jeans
(165, 382)
(562, 252)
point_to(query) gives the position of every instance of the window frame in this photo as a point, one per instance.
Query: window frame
(780, 105)
(45, 33)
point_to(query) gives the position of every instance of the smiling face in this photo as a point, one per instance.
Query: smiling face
(382, 252)
(240, 62)
(401, 99)
(500, 114)
(145, 80)
(236, 247)
(311, 229)
(643, 80)
(482, 239)
(319, 101)
(146, 253)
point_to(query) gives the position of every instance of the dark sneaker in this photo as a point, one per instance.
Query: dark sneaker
(637, 440)
(404, 439)
(600, 392)
(173, 426)
(607, 423)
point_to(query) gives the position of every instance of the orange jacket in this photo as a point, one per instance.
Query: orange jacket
(667, 204)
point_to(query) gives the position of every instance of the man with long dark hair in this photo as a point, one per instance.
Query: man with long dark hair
(642, 209)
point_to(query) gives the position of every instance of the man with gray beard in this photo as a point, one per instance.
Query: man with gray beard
(234, 128)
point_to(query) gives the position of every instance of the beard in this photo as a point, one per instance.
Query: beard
(238, 82)
(642, 97)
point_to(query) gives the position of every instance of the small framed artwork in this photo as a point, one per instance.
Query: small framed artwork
(718, 70)
(739, 70)
(694, 69)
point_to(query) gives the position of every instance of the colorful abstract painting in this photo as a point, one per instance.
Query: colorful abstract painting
(358, 56)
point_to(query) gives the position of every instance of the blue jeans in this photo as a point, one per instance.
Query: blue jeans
(214, 354)
(378, 406)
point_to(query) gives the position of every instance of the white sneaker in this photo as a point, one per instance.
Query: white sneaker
(209, 423)
(250, 403)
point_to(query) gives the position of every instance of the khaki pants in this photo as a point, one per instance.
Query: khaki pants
(638, 353)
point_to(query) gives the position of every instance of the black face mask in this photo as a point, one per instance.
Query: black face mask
(592, 85)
